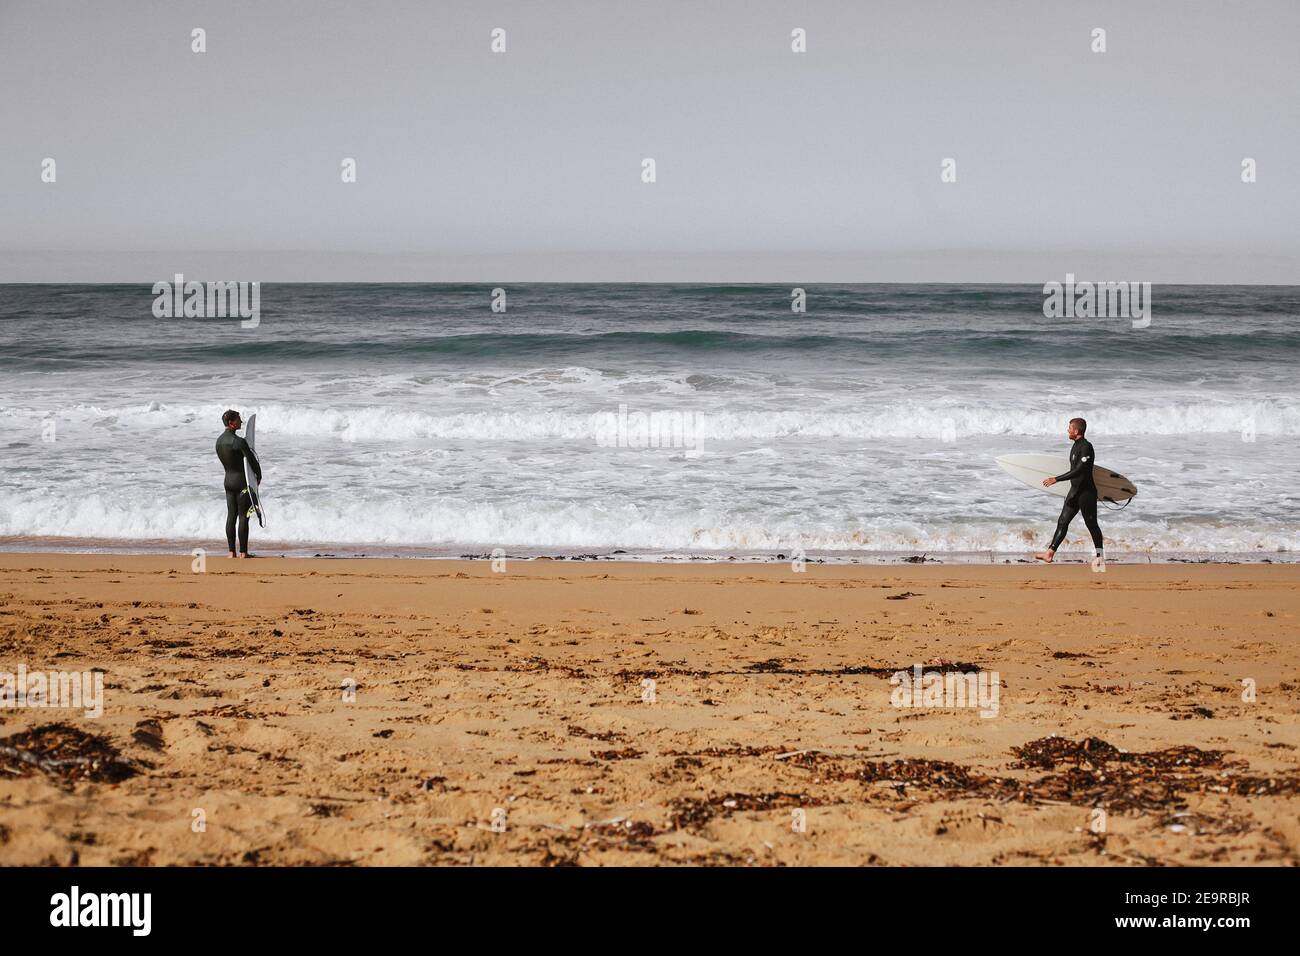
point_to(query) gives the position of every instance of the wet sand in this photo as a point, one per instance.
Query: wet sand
(506, 718)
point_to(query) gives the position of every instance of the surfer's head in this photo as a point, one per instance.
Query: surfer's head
(1078, 428)
(230, 418)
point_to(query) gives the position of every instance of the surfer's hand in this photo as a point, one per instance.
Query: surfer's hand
(1048, 482)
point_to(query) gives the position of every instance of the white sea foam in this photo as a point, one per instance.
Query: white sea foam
(344, 519)
(517, 421)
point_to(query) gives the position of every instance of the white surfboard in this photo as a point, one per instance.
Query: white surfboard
(1032, 469)
(250, 476)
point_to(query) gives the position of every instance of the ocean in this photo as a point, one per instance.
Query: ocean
(401, 419)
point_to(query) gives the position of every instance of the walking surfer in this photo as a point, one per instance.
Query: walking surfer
(232, 450)
(1082, 496)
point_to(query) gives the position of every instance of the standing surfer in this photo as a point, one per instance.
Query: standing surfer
(232, 450)
(1082, 496)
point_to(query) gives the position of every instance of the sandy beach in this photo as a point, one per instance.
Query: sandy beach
(360, 712)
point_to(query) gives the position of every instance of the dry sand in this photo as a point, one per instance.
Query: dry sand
(518, 697)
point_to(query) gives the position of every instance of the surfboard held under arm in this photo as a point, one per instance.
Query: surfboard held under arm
(1032, 469)
(254, 494)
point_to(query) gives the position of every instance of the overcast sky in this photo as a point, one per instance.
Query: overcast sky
(771, 165)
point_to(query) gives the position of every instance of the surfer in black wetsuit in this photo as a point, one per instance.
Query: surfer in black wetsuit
(1082, 496)
(232, 450)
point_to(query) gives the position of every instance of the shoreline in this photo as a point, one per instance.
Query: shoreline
(272, 549)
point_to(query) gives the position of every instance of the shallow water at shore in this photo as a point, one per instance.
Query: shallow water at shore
(185, 549)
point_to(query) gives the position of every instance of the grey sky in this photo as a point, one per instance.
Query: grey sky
(771, 165)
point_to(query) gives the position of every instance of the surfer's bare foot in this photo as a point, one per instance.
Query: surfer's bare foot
(245, 555)
(1098, 565)
(233, 555)
(1045, 556)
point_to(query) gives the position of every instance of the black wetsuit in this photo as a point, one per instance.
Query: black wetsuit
(232, 449)
(1082, 496)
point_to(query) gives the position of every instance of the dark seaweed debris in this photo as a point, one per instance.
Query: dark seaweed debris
(734, 751)
(692, 812)
(634, 834)
(777, 665)
(149, 733)
(66, 753)
(1047, 752)
(1085, 773)
(606, 736)
(627, 753)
